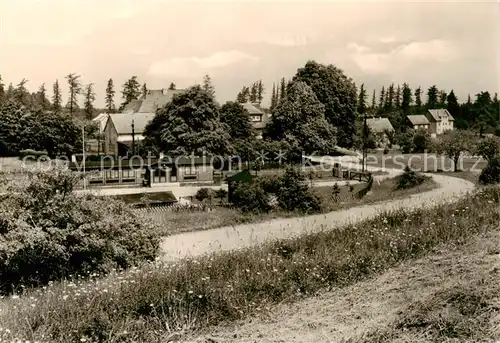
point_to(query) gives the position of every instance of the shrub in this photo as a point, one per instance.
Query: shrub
(294, 194)
(251, 197)
(204, 194)
(405, 141)
(47, 232)
(270, 184)
(422, 141)
(336, 191)
(491, 174)
(386, 150)
(410, 179)
(221, 194)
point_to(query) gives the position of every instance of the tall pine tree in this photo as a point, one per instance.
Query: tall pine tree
(381, 101)
(282, 89)
(442, 99)
(130, 91)
(362, 99)
(41, 98)
(172, 86)
(253, 93)
(260, 92)
(418, 99)
(389, 103)
(273, 97)
(208, 86)
(244, 95)
(75, 88)
(110, 96)
(406, 100)
(89, 100)
(56, 97)
(432, 97)
(144, 90)
(397, 100)
(374, 101)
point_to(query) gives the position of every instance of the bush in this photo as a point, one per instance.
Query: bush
(294, 194)
(204, 194)
(386, 150)
(410, 179)
(221, 194)
(422, 142)
(491, 174)
(405, 141)
(47, 232)
(251, 197)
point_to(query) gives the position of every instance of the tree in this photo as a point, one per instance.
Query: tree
(489, 148)
(172, 86)
(130, 91)
(442, 99)
(144, 90)
(207, 85)
(41, 98)
(9, 94)
(89, 100)
(253, 92)
(56, 97)
(418, 99)
(244, 95)
(110, 96)
(397, 100)
(432, 97)
(274, 100)
(452, 104)
(260, 92)
(406, 100)
(299, 120)
(484, 113)
(282, 88)
(189, 124)
(21, 94)
(390, 97)
(237, 119)
(2, 91)
(381, 100)
(362, 100)
(337, 93)
(75, 87)
(452, 144)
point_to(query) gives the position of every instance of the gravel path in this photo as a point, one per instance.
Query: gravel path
(240, 236)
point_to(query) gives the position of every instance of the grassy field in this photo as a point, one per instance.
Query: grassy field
(157, 301)
(184, 221)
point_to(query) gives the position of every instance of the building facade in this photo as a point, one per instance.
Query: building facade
(440, 121)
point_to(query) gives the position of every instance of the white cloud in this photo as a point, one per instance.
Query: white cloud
(405, 56)
(192, 66)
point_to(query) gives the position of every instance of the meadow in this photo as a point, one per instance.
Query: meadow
(158, 300)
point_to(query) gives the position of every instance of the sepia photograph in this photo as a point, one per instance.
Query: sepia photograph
(237, 171)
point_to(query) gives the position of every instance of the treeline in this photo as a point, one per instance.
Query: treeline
(77, 91)
(395, 102)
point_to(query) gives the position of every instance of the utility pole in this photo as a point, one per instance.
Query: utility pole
(133, 138)
(83, 153)
(365, 138)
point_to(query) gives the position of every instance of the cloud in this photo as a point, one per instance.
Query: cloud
(192, 66)
(404, 56)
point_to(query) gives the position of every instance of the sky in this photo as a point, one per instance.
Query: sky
(455, 45)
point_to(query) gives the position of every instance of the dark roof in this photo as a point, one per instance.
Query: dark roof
(187, 160)
(123, 122)
(147, 198)
(419, 119)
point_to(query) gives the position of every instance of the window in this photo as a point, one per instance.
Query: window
(256, 118)
(128, 173)
(190, 170)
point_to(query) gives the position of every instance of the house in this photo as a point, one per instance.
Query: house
(440, 121)
(180, 169)
(380, 127)
(417, 122)
(259, 117)
(154, 99)
(122, 130)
